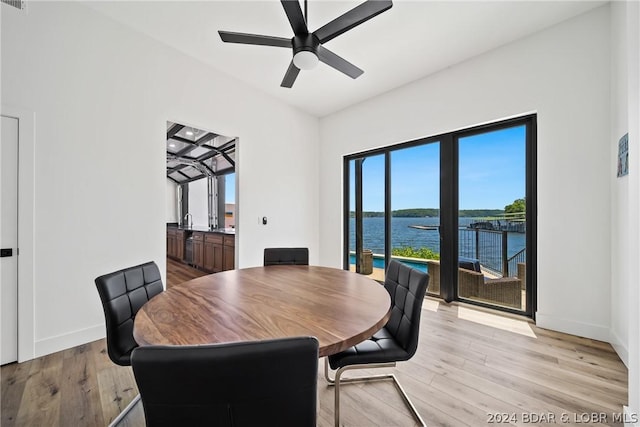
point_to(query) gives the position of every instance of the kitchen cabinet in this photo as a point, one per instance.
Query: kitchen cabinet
(212, 251)
(179, 245)
(218, 252)
(198, 249)
(229, 250)
(171, 243)
(175, 243)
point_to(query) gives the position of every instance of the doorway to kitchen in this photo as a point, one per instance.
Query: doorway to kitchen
(201, 209)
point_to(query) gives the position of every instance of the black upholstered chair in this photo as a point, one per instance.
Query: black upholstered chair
(397, 341)
(122, 294)
(286, 256)
(257, 383)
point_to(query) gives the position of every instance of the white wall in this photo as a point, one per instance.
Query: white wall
(625, 207)
(620, 220)
(633, 72)
(171, 201)
(102, 95)
(562, 74)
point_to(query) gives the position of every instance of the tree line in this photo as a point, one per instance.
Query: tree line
(429, 212)
(518, 205)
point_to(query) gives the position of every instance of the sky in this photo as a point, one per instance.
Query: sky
(491, 173)
(230, 188)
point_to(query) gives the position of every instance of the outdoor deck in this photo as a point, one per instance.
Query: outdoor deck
(485, 286)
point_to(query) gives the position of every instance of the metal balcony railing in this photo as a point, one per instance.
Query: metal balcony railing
(491, 248)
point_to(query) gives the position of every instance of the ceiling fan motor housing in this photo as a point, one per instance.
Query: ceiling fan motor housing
(307, 42)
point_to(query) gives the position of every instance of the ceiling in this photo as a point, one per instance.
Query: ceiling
(411, 40)
(193, 154)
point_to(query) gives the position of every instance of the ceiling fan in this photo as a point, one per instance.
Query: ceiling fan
(308, 47)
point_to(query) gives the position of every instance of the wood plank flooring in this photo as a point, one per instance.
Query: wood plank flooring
(470, 365)
(178, 272)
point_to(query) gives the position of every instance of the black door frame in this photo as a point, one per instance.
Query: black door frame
(449, 205)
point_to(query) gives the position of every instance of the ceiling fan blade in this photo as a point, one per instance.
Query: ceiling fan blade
(352, 18)
(296, 19)
(340, 64)
(255, 39)
(290, 76)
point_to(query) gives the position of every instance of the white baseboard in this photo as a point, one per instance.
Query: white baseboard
(620, 347)
(71, 339)
(596, 332)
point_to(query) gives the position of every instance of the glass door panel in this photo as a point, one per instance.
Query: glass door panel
(492, 226)
(351, 224)
(415, 215)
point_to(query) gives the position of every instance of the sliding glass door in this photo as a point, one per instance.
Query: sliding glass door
(459, 205)
(492, 217)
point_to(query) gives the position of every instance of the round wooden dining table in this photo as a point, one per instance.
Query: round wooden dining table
(338, 307)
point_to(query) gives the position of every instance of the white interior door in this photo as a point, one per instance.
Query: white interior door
(9, 240)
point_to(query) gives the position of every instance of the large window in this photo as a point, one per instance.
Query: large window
(415, 204)
(460, 206)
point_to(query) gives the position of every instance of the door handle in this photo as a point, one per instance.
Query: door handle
(6, 252)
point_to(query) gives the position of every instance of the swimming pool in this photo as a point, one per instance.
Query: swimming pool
(378, 262)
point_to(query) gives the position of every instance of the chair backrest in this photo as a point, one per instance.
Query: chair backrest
(407, 287)
(122, 293)
(257, 383)
(286, 256)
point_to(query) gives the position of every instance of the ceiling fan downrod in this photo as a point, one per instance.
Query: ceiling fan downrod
(306, 16)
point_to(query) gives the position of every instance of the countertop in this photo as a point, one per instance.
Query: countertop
(229, 231)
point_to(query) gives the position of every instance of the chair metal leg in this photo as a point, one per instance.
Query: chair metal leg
(326, 372)
(338, 380)
(125, 411)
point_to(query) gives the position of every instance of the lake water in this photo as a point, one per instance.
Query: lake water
(403, 235)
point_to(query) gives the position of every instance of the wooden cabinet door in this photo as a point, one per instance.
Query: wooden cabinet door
(209, 252)
(217, 257)
(213, 252)
(198, 254)
(171, 243)
(198, 250)
(179, 245)
(228, 258)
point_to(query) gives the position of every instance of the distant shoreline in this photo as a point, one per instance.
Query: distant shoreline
(431, 213)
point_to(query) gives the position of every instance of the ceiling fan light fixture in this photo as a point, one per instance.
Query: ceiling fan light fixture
(305, 60)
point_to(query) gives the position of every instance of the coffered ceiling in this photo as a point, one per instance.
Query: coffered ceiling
(193, 154)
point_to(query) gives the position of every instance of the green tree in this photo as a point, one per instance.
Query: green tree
(518, 205)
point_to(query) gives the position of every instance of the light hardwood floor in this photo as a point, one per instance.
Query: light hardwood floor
(470, 365)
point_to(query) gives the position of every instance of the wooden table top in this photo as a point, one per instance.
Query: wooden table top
(338, 307)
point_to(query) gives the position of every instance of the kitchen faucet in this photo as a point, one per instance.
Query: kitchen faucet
(188, 218)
